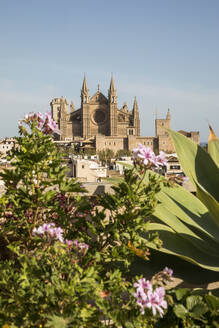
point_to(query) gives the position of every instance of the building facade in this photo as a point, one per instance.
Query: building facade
(6, 145)
(100, 124)
(88, 171)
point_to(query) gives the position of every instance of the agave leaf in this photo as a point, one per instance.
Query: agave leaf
(181, 204)
(189, 230)
(186, 207)
(213, 146)
(197, 164)
(175, 244)
(213, 149)
(200, 241)
(210, 203)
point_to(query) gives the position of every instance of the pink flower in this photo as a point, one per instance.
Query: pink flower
(149, 298)
(50, 230)
(75, 243)
(137, 150)
(155, 301)
(68, 242)
(56, 233)
(168, 271)
(48, 116)
(148, 157)
(145, 284)
(31, 116)
(40, 117)
(47, 126)
(81, 246)
(144, 153)
(161, 159)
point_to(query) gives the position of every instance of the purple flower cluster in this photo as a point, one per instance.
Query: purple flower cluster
(168, 271)
(80, 246)
(148, 157)
(51, 230)
(150, 298)
(47, 125)
(54, 232)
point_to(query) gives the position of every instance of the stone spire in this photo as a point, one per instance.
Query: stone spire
(112, 92)
(84, 86)
(85, 96)
(168, 117)
(135, 106)
(112, 86)
(136, 119)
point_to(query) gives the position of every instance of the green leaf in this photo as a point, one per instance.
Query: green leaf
(213, 301)
(175, 244)
(213, 146)
(210, 202)
(129, 325)
(186, 207)
(213, 149)
(180, 311)
(200, 309)
(197, 164)
(57, 322)
(192, 232)
(181, 292)
(193, 300)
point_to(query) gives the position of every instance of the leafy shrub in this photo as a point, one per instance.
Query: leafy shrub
(64, 256)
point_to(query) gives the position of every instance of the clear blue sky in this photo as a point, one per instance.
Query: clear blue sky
(165, 52)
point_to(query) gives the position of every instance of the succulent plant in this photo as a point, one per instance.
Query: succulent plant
(188, 225)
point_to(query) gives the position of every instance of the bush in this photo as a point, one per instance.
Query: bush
(65, 257)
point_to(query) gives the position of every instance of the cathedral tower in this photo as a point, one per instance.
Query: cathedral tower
(136, 119)
(112, 96)
(162, 124)
(164, 140)
(85, 99)
(59, 109)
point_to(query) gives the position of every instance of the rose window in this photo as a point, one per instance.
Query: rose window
(99, 116)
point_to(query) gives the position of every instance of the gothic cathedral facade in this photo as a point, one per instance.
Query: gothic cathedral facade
(100, 124)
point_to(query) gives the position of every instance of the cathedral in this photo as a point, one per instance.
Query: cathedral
(100, 124)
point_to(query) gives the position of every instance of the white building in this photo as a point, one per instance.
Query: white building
(123, 163)
(6, 145)
(173, 165)
(88, 171)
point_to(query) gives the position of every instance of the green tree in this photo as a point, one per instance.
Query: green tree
(106, 156)
(123, 152)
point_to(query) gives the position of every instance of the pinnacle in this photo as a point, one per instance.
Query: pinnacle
(135, 106)
(84, 86)
(112, 86)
